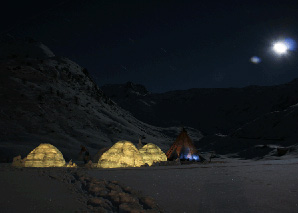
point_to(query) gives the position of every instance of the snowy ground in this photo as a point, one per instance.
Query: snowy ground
(233, 186)
(228, 185)
(28, 190)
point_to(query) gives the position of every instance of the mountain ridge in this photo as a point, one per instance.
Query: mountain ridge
(52, 99)
(212, 110)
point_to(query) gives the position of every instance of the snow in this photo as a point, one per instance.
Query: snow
(225, 185)
(210, 110)
(277, 125)
(54, 101)
(144, 102)
(28, 191)
(295, 105)
(230, 186)
(220, 135)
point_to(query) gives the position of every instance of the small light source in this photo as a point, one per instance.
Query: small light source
(255, 60)
(280, 48)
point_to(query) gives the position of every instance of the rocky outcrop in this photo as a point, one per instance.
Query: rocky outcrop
(111, 196)
(96, 194)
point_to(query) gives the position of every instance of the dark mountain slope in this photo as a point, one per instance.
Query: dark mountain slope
(50, 99)
(219, 110)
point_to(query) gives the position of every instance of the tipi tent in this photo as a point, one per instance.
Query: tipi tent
(152, 153)
(183, 148)
(121, 154)
(45, 155)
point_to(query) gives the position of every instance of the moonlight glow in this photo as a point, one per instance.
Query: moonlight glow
(291, 44)
(283, 46)
(280, 48)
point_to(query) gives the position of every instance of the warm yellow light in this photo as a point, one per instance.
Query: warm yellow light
(45, 155)
(152, 154)
(70, 164)
(121, 154)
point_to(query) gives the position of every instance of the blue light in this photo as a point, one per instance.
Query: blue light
(196, 157)
(255, 60)
(189, 157)
(291, 44)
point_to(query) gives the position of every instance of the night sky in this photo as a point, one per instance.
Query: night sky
(164, 45)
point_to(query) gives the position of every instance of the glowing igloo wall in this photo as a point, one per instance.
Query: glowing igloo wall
(152, 153)
(121, 154)
(45, 155)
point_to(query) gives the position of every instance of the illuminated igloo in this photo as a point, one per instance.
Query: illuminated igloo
(45, 155)
(152, 153)
(121, 154)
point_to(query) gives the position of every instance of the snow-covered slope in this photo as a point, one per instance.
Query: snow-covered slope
(260, 137)
(277, 126)
(126, 90)
(219, 110)
(48, 99)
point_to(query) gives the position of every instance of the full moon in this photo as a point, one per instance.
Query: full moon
(280, 48)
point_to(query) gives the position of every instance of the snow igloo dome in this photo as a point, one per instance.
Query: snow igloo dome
(151, 153)
(121, 154)
(45, 155)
